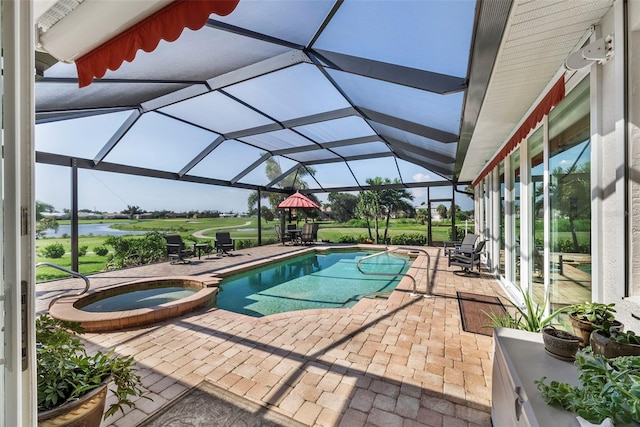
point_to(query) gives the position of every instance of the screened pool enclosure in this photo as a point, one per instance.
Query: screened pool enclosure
(346, 90)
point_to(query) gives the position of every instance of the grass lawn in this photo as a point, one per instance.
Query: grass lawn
(240, 229)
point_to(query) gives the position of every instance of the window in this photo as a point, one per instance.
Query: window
(570, 199)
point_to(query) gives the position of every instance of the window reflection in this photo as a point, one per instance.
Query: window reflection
(570, 199)
(536, 197)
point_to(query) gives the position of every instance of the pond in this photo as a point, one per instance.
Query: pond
(93, 229)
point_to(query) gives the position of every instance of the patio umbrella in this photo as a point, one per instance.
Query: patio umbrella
(298, 201)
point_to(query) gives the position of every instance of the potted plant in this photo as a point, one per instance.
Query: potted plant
(529, 317)
(588, 316)
(560, 344)
(609, 389)
(71, 380)
(611, 342)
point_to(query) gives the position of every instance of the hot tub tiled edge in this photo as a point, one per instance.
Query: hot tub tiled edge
(65, 308)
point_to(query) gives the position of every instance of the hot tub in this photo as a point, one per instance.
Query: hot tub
(204, 294)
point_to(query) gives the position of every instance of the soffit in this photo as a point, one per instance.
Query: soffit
(539, 37)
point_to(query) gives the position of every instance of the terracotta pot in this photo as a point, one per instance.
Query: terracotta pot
(84, 412)
(601, 344)
(583, 328)
(560, 344)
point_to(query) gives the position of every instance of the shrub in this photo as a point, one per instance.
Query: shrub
(54, 250)
(100, 250)
(82, 250)
(136, 250)
(414, 239)
(347, 239)
(460, 234)
(245, 243)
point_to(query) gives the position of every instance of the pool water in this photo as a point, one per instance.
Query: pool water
(140, 299)
(330, 280)
(584, 267)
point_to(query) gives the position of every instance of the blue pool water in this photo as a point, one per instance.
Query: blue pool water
(139, 299)
(330, 280)
(584, 267)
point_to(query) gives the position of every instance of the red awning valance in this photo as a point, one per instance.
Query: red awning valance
(550, 100)
(166, 24)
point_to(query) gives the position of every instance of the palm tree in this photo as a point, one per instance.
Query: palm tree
(393, 201)
(273, 171)
(368, 208)
(382, 202)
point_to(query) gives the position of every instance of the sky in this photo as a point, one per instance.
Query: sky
(110, 192)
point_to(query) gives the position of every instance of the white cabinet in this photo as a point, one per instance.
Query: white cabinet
(519, 360)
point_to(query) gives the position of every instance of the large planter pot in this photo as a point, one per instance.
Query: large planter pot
(583, 329)
(84, 412)
(603, 345)
(560, 344)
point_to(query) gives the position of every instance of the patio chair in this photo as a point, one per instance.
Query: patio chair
(306, 237)
(467, 244)
(468, 259)
(224, 243)
(283, 239)
(177, 252)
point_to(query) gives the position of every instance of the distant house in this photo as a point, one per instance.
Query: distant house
(115, 215)
(90, 215)
(56, 215)
(144, 215)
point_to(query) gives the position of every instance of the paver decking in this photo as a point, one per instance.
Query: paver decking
(403, 361)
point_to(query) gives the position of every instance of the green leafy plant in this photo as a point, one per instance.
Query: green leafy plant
(101, 250)
(130, 251)
(66, 371)
(54, 250)
(610, 388)
(530, 317)
(593, 312)
(82, 250)
(621, 337)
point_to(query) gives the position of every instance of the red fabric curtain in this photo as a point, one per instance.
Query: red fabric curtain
(551, 99)
(166, 24)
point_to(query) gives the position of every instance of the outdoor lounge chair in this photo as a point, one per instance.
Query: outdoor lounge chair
(468, 259)
(224, 243)
(176, 249)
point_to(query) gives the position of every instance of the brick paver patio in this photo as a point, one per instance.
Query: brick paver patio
(403, 361)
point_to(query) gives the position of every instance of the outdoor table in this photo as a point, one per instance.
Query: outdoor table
(294, 234)
(199, 247)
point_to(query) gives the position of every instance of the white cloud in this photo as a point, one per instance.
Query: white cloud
(421, 177)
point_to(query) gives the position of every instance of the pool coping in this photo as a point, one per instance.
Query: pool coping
(65, 308)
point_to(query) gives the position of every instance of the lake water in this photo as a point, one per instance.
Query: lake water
(95, 229)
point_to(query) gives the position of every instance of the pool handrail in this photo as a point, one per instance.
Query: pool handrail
(389, 251)
(87, 283)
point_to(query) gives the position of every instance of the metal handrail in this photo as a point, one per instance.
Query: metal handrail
(71, 272)
(389, 251)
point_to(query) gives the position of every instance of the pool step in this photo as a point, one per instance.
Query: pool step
(373, 295)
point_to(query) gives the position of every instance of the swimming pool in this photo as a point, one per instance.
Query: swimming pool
(315, 280)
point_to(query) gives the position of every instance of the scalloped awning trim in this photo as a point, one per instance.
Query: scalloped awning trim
(166, 24)
(550, 100)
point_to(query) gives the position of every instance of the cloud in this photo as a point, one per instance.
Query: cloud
(421, 177)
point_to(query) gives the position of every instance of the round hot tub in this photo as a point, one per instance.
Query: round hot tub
(137, 303)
